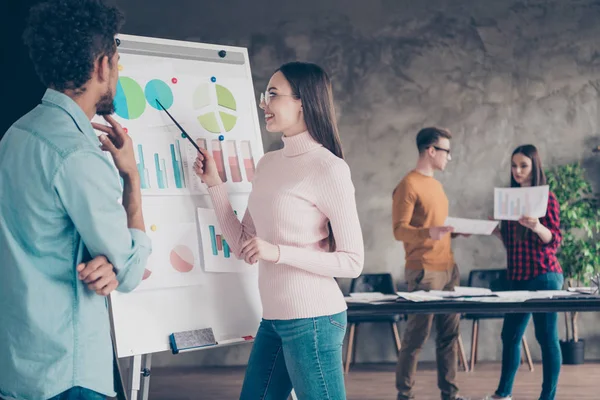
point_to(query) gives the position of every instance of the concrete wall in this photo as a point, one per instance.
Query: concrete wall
(498, 73)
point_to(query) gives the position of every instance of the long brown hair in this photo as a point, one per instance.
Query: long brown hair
(311, 84)
(538, 177)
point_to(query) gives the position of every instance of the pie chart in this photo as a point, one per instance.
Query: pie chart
(182, 258)
(159, 90)
(147, 274)
(217, 106)
(129, 101)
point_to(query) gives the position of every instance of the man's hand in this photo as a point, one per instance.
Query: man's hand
(257, 249)
(455, 235)
(120, 146)
(99, 275)
(438, 232)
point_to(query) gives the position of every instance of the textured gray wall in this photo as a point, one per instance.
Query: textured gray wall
(497, 73)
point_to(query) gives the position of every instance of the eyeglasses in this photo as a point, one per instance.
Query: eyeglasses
(442, 149)
(266, 97)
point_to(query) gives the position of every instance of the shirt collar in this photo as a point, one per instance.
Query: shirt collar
(67, 104)
(299, 144)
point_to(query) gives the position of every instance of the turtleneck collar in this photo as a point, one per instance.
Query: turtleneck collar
(299, 144)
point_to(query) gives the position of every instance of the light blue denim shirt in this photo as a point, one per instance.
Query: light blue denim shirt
(59, 206)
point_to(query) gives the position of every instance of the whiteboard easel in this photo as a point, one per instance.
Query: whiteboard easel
(227, 303)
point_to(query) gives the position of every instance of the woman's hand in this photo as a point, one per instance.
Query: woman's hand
(257, 249)
(206, 168)
(496, 232)
(531, 223)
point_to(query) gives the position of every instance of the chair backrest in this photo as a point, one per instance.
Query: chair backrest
(383, 283)
(494, 279)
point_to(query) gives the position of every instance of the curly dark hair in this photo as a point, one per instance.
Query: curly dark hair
(66, 37)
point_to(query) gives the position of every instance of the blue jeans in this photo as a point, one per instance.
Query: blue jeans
(79, 393)
(546, 333)
(304, 354)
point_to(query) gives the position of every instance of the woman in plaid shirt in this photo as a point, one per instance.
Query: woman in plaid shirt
(531, 245)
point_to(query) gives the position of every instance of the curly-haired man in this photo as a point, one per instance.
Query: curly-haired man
(65, 240)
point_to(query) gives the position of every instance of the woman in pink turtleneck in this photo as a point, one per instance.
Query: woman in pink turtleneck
(302, 227)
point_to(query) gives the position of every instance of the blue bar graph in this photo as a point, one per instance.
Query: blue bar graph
(177, 165)
(217, 243)
(161, 172)
(145, 179)
(213, 240)
(225, 249)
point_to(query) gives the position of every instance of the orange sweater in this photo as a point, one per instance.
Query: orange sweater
(419, 202)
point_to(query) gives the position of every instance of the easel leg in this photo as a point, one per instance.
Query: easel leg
(135, 374)
(146, 367)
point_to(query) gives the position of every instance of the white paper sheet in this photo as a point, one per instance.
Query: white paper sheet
(493, 299)
(460, 291)
(370, 297)
(513, 203)
(420, 295)
(540, 294)
(472, 291)
(174, 261)
(471, 226)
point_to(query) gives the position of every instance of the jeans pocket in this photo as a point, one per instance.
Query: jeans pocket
(547, 281)
(339, 320)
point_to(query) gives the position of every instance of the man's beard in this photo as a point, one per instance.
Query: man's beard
(106, 105)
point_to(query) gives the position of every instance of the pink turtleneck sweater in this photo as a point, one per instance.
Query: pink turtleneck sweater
(295, 192)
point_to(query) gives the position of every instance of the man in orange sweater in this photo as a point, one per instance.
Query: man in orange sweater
(420, 208)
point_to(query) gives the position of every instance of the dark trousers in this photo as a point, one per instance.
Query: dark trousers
(418, 327)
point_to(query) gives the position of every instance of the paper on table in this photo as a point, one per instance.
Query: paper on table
(471, 226)
(513, 203)
(528, 295)
(460, 291)
(557, 293)
(442, 293)
(493, 299)
(370, 297)
(420, 295)
(472, 291)
(582, 289)
(519, 296)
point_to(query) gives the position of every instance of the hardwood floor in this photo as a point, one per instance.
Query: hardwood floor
(376, 382)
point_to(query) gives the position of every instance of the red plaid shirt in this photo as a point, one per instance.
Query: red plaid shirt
(529, 257)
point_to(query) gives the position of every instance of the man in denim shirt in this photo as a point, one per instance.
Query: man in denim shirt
(66, 241)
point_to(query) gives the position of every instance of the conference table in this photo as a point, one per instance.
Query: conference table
(574, 302)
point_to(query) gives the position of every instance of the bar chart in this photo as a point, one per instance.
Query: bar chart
(234, 161)
(166, 170)
(217, 254)
(217, 152)
(177, 165)
(165, 162)
(161, 171)
(513, 203)
(218, 244)
(249, 164)
(234, 165)
(142, 170)
(512, 207)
